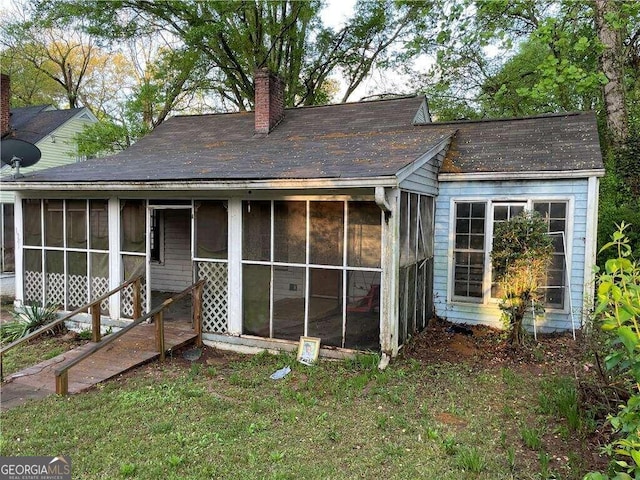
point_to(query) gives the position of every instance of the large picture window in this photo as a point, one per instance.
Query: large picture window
(472, 259)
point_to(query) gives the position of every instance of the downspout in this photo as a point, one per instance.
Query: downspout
(382, 202)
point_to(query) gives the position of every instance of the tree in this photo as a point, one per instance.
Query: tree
(235, 38)
(608, 27)
(522, 251)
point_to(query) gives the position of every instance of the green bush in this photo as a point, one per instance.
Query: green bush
(521, 253)
(26, 320)
(618, 311)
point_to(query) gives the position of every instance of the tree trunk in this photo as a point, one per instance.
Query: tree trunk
(516, 336)
(611, 62)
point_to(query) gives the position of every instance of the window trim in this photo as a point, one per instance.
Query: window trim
(528, 200)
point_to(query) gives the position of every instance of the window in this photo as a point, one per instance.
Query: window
(470, 256)
(555, 214)
(469, 253)
(157, 235)
(8, 238)
(501, 213)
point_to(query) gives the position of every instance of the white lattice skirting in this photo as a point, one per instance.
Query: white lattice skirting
(55, 288)
(126, 307)
(33, 287)
(77, 290)
(214, 296)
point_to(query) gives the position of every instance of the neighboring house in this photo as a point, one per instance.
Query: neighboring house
(52, 131)
(354, 223)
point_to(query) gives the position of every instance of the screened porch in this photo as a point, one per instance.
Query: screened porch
(275, 269)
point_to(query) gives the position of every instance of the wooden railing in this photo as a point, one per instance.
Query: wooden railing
(62, 373)
(93, 307)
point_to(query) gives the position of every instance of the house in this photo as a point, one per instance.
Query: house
(51, 130)
(354, 223)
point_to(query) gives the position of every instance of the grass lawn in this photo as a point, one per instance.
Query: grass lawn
(223, 417)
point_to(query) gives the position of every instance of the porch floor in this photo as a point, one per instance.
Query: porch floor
(132, 349)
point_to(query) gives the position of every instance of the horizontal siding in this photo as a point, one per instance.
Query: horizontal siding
(425, 179)
(573, 190)
(175, 272)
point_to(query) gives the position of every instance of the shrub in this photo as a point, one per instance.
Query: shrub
(618, 311)
(521, 253)
(26, 320)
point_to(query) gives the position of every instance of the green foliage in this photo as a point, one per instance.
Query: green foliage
(26, 320)
(521, 253)
(618, 310)
(103, 138)
(620, 196)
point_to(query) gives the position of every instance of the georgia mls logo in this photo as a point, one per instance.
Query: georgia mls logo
(35, 468)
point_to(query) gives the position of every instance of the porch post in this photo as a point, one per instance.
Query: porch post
(114, 256)
(17, 252)
(234, 267)
(389, 276)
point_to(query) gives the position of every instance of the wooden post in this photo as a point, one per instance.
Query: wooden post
(62, 383)
(137, 299)
(159, 321)
(95, 322)
(197, 313)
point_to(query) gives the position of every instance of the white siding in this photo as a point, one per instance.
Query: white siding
(175, 273)
(574, 191)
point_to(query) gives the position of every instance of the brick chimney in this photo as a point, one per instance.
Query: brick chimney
(269, 100)
(5, 97)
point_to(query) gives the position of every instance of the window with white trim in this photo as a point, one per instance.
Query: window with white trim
(502, 212)
(555, 214)
(469, 251)
(471, 257)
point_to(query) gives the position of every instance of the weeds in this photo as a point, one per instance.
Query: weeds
(532, 437)
(470, 460)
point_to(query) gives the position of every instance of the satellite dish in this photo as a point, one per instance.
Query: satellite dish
(18, 153)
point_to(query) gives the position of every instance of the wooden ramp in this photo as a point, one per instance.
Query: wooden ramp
(132, 349)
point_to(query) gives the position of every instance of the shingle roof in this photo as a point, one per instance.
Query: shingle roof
(356, 140)
(32, 124)
(554, 142)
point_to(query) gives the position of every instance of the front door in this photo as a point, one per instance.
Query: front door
(169, 266)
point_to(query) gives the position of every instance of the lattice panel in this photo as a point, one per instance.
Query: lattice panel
(100, 286)
(214, 297)
(77, 290)
(55, 289)
(126, 300)
(33, 287)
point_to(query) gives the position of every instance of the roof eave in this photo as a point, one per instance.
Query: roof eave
(531, 175)
(209, 185)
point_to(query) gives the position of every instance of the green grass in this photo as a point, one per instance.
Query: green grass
(334, 420)
(28, 354)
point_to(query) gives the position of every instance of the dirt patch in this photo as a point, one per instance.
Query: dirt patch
(486, 347)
